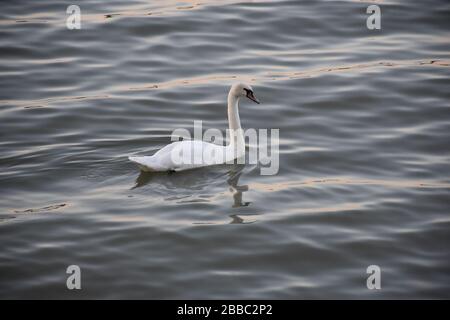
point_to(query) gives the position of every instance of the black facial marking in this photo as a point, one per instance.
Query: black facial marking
(250, 95)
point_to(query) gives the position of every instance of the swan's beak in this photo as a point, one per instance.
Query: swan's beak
(252, 97)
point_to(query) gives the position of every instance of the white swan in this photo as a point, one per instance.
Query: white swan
(183, 155)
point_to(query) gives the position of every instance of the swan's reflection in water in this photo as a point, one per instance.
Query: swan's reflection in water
(237, 190)
(198, 180)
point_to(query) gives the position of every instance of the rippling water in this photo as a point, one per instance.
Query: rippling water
(364, 119)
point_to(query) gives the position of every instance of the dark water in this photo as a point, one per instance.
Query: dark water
(364, 119)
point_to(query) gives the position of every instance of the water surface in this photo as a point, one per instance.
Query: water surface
(364, 119)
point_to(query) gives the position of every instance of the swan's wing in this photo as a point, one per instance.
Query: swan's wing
(196, 153)
(182, 155)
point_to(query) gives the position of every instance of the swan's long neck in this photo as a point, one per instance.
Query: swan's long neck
(237, 142)
(233, 112)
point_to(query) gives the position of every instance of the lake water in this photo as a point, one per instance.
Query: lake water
(364, 177)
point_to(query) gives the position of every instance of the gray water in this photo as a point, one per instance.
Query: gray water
(364, 178)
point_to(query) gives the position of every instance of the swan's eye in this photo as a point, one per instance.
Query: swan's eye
(248, 92)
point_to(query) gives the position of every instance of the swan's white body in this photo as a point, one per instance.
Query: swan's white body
(202, 153)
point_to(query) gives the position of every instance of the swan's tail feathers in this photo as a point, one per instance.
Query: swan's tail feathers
(145, 163)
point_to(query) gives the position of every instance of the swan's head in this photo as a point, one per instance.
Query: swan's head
(241, 90)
